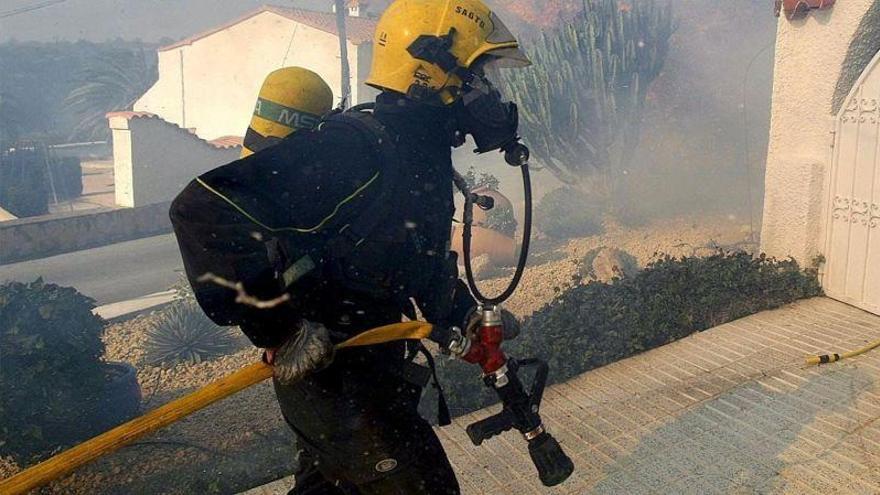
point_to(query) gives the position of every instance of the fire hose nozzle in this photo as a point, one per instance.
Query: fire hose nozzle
(553, 465)
(521, 412)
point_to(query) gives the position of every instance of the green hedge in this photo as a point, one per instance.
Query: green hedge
(24, 186)
(588, 326)
(67, 175)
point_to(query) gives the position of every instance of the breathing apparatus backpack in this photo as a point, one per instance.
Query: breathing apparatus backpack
(294, 101)
(306, 259)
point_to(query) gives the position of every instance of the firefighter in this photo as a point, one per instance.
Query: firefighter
(351, 222)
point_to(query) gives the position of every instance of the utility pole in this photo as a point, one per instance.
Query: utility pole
(345, 85)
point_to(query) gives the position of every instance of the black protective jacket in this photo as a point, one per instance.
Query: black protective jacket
(233, 222)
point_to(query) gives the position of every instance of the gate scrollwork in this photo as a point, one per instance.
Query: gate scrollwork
(856, 211)
(861, 110)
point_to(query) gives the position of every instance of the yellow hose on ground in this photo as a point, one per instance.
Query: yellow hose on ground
(126, 433)
(831, 358)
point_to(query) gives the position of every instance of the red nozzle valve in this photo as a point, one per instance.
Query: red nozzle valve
(485, 349)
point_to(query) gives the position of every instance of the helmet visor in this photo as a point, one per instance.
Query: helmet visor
(508, 56)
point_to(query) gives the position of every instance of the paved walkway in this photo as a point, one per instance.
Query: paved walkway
(729, 411)
(134, 306)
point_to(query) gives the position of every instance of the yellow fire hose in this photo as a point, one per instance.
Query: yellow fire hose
(831, 358)
(69, 460)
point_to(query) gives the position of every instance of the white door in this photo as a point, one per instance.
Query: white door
(852, 208)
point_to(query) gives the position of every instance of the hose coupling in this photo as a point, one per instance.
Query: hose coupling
(492, 316)
(459, 345)
(533, 434)
(499, 377)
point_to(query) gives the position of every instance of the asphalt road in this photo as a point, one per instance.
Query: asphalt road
(108, 274)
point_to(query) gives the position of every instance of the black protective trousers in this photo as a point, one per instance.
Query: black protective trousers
(359, 430)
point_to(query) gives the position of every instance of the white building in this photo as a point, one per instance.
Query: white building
(822, 198)
(208, 83)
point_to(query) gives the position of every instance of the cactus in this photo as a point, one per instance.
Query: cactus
(582, 100)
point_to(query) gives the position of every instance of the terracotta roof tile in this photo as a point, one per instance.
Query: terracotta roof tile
(359, 30)
(131, 115)
(227, 141)
(363, 4)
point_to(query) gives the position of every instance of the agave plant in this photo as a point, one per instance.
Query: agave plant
(185, 334)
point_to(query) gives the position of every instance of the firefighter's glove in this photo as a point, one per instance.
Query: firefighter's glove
(510, 322)
(310, 350)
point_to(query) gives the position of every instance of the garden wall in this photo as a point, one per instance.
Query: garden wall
(48, 235)
(153, 160)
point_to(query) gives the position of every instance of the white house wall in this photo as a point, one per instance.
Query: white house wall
(154, 160)
(164, 98)
(809, 54)
(363, 92)
(223, 71)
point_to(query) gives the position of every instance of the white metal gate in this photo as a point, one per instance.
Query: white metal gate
(852, 208)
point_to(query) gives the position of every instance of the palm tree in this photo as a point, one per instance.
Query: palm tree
(111, 82)
(345, 85)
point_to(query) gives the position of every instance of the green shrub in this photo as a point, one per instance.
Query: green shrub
(501, 219)
(566, 213)
(24, 185)
(183, 333)
(484, 179)
(51, 351)
(67, 177)
(588, 326)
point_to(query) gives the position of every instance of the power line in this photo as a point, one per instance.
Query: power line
(23, 10)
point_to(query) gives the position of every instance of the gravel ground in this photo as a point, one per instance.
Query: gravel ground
(243, 442)
(677, 237)
(8, 467)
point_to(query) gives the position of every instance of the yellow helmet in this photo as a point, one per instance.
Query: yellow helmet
(422, 46)
(291, 99)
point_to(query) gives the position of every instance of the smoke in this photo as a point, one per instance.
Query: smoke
(708, 116)
(706, 121)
